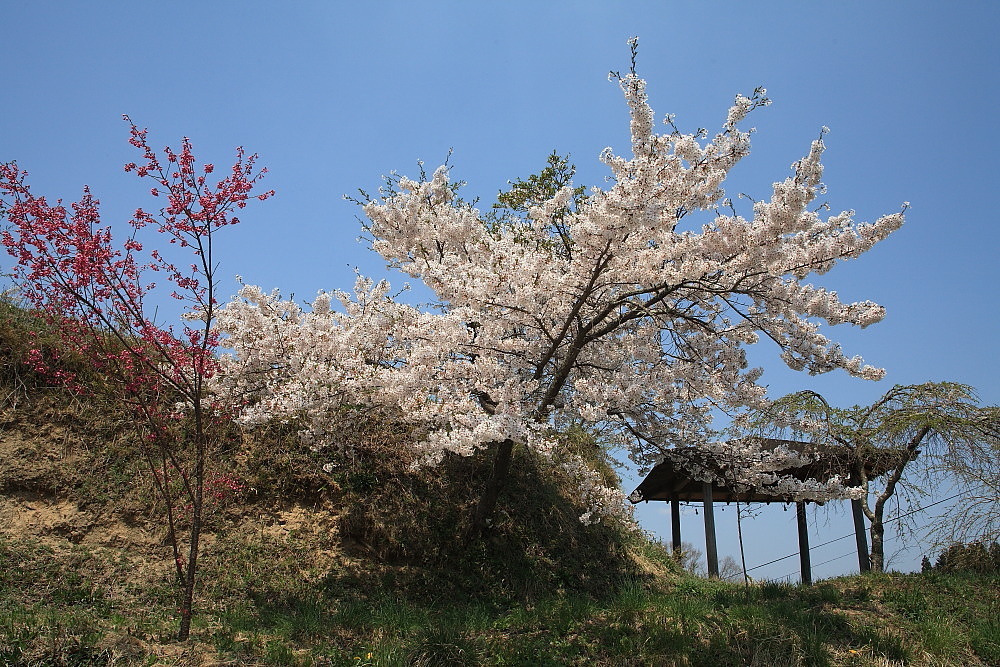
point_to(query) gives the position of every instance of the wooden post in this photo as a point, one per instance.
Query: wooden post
(711, 549)
(864, 562)
(804, 565)
(675, 524)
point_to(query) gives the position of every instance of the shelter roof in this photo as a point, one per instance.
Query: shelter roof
(672, 478)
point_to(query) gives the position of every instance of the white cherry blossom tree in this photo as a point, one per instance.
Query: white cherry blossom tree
(609, 308)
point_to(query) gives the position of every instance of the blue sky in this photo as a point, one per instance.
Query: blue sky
(334, 94)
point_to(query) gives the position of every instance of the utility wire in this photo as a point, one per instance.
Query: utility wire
(794, 572)
(842, 537)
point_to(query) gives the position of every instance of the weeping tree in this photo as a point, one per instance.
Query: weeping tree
(916, 433)
(975, 468)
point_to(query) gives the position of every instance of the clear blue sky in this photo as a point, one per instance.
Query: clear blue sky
(335, 94)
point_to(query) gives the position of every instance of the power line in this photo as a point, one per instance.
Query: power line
(794, 572)
(830, 560)
(837, 539)
(772, 562)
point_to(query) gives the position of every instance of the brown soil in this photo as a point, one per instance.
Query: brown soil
(47, 451)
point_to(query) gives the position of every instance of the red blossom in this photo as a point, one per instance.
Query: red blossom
(70, 269)
(91, 291)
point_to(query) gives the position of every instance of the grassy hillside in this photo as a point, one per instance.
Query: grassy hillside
(364, 565)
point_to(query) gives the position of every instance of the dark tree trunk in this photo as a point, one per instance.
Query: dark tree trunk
(187, 605)
(864, 560)
(197, 505)
(488, 501)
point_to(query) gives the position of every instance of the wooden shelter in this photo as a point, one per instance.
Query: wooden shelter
(672, 481)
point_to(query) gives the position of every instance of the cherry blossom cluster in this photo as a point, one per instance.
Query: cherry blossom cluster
(601, 501)
(630, 308)
(288, 362)
(221, 487)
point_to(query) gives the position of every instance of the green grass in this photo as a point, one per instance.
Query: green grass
(52, 612)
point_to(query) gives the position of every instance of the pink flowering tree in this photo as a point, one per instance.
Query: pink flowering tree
(95, 293)
(628, 308)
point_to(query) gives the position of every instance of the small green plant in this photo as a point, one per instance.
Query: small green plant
(882, 642)
(444, 645)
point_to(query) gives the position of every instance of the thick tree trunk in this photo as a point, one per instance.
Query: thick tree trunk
(488, 501)
(877, 553)
(877, 513)
(186, 609)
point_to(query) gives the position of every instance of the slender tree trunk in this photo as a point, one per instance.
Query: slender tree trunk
(197, 502)
(488, 501)
(743, 553)
(878, 528)
(187, 605)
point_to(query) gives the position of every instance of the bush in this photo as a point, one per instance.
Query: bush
(977, 557)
